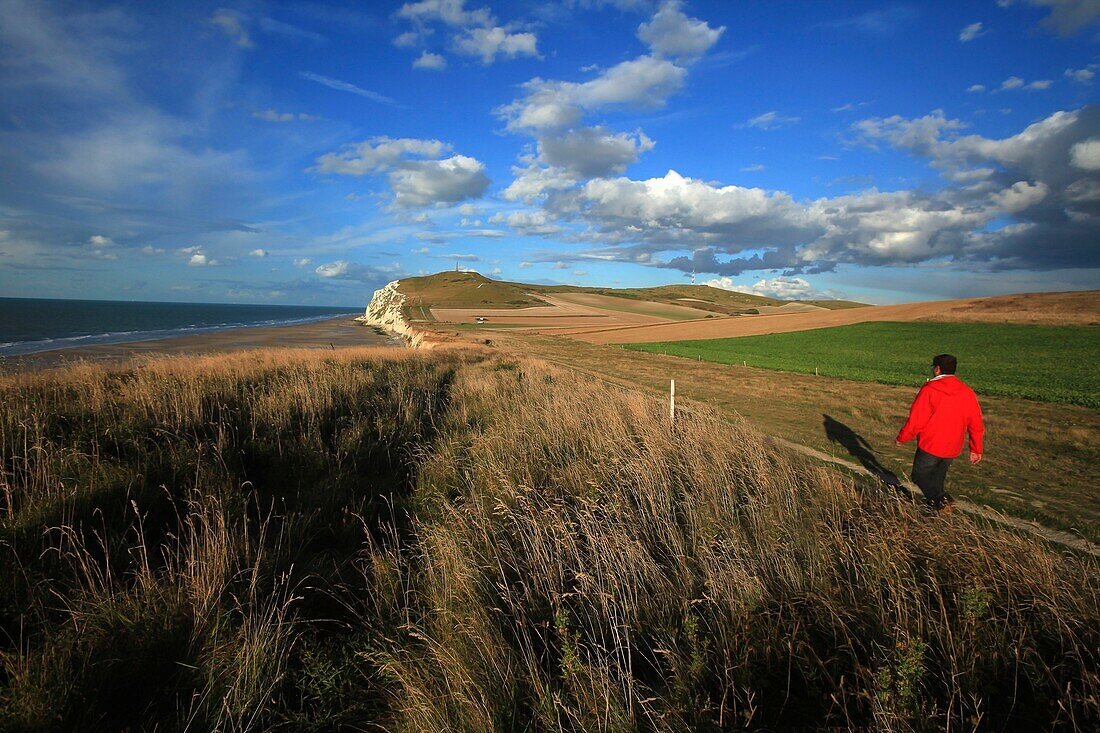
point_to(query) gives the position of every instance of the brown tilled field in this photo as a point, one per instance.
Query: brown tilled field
(1081, 308)
(1048, 309)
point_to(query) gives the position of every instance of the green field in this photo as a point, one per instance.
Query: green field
(1047, 363)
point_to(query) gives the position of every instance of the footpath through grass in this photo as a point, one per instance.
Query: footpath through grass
(1046, 363)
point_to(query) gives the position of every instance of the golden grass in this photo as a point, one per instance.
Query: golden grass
(448, 541)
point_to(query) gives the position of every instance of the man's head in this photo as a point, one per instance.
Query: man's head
(944, 364)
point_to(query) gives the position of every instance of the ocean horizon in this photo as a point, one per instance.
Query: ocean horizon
(32, 325)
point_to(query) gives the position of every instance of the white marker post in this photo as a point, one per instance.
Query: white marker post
(672, 401)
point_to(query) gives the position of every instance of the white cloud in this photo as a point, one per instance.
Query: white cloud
(99, 241)
(592, 152)
(976, 88)
(488, 43)
(343, 270)
(301, 261)
(199, 259)
(258, 252)
(755, 168)
(534, 181)
(270, 115)
(644, 82)
(1031, 179)
(771, 121)
(532, 223)
(672, 34)
(378, 154)
(918, 134)
(232, 24)
(476, 31)
(781, 288)
(99, 252)
(336, 269)
(970, 32)
(925, 136)
(1082, 76)
(449, 12)
(1086, 155)
(426, 182)
(674, 206)
(430, 61)
(408, 39)
(1015, 82)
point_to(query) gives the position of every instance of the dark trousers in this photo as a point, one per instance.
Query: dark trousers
(930, 473)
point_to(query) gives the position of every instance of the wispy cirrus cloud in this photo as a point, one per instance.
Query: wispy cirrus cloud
(344, 86)
(771, 121)
(972, 31)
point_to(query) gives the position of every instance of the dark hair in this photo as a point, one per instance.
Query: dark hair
(947, 363)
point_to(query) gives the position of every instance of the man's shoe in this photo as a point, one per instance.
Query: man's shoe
(946, 508)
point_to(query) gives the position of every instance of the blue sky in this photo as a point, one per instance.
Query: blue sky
(308, 152)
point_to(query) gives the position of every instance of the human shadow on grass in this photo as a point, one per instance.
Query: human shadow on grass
(860, 449)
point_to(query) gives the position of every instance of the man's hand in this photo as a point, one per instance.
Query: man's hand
(898, 442)
(975, 457)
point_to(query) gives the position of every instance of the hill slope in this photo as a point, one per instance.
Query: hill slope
(473, 290)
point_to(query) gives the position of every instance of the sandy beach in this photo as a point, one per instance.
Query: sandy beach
(330, 333)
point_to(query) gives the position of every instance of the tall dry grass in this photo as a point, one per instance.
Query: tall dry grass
(396, 541)
(583, 565)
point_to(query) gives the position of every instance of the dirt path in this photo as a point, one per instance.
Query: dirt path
(985, 512)
(1049, 534)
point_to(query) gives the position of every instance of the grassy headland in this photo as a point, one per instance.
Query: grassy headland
(473, 290)
(453, 541)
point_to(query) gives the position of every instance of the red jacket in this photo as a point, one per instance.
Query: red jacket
(944, 409)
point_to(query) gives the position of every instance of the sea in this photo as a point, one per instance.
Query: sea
(29, 325)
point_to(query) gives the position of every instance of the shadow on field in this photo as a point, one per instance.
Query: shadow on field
(860, 449)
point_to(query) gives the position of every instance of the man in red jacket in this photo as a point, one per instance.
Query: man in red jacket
(945, 409)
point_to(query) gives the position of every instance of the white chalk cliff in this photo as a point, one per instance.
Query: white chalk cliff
(384, 311)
